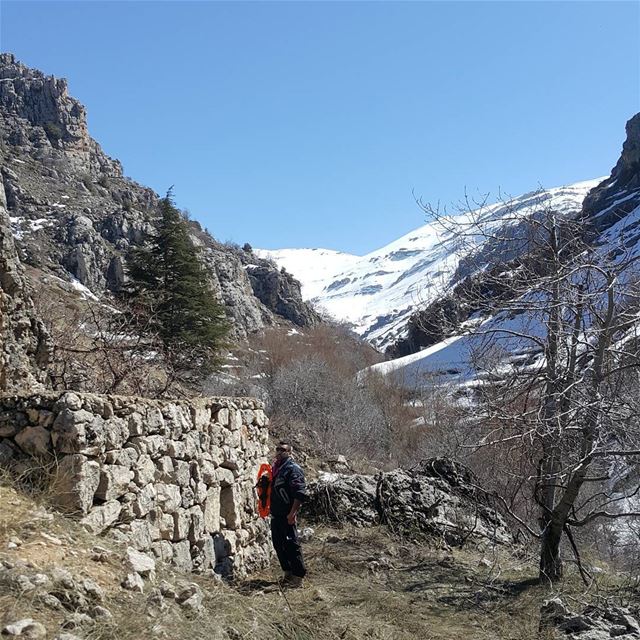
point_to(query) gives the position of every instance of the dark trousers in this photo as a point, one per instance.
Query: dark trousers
(287, 546)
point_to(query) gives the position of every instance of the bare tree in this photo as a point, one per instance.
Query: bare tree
(555, 344)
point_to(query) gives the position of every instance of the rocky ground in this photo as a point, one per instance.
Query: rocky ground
(59, 581)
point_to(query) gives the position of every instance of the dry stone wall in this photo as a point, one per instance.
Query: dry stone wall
(174, 478)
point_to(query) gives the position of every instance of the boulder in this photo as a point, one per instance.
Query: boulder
(436, 499)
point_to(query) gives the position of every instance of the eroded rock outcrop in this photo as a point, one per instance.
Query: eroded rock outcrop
(75, 215)
(619, 194)
(593, 623)
(436, 499)
(24, 344)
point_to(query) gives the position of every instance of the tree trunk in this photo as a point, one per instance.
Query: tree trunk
(550, 561)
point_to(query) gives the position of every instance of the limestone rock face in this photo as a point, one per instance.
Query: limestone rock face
(619, 194)
(75, 215)
(435, 499)
(24, 343)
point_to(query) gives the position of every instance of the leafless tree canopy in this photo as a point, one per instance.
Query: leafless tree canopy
(557, 366)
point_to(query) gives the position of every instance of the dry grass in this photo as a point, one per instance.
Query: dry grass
(367, 585)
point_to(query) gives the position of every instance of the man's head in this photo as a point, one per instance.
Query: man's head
(283, 450)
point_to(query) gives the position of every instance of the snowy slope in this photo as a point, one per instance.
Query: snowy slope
(378, 292)
(451, 357)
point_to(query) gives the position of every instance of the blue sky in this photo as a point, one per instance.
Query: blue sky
(309, 124)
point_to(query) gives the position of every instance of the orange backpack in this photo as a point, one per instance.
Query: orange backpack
(263, 485)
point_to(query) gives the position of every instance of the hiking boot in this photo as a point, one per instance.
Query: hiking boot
(293, 582)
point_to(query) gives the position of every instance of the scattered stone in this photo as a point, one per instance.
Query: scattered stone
(77, 620)
(190, 596)
(24, 583)
(101, 613)
(306, 534)
(51, 539)
(93, 590)
(167, 590)
(133, 582)
(26, 628)
(50, 601)
(40, 579)
(141, 563)
(333, 539)
(194, 603)
(62, 577)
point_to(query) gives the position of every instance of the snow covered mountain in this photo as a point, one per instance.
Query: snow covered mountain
(377, 293)
(611, 211)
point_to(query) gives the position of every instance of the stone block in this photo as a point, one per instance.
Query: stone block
(144, 470)
(192, 445)
(164, 470)
(114, 482)
(208, 472)
(34, 441)
(196, 526)
(182, 555)
(140, 535)
(145, 501)
(163, 550)
(125, 457)
(200, 492)
(116, 431)
(135, 424)
(260, 418)
(166, 526)
(69, 400)
(154, 420)
(75, 483)
(201, 417)
(102, 517)
(222, 417)
(232, 439)
(212, 511)
(46, 418)
(176, 449)
(181, 524)
(181, 473)
(168, 497)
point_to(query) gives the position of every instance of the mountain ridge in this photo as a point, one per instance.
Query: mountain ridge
(74, 215)
(378, 292)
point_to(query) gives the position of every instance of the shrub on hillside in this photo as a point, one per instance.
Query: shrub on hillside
(342, 417)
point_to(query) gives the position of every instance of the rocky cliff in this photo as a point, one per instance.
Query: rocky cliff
(74, 214)
(619, 194)
(24, 345)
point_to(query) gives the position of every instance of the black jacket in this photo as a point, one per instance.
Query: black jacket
(287, 486)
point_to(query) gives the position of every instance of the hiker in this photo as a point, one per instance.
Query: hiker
(288, 492)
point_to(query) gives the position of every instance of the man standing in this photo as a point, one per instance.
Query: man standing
(288, 492)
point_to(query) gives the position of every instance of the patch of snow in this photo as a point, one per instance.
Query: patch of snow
(85, 292)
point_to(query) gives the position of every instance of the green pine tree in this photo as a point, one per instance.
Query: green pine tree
(169, 283)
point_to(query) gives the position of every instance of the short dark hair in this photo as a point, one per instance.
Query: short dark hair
(284, 443)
